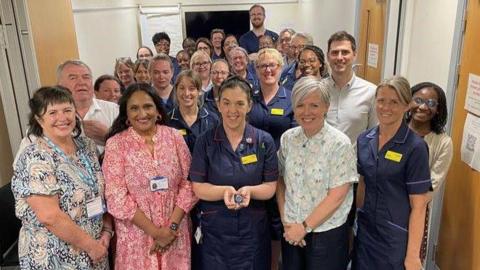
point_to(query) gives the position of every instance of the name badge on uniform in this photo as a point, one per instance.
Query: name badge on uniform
(96, 207)
(158, 183)
(276, 111)
(249, 159)
(393, 156)
(182, 131)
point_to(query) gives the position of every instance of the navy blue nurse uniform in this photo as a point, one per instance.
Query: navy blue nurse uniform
(391, 174)
(252, 77)
(276, 116)
(234, 239)
(205, 121)
(250, 42)
(288, 78)
(210, 103)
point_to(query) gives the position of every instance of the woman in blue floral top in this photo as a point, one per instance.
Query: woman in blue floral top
(314, 192)
(58, 188)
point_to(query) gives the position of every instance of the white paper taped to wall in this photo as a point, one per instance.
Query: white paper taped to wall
(161, 19)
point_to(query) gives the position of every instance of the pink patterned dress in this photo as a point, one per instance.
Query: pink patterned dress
(128, 167)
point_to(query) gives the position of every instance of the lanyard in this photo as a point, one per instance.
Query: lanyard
(86, 171)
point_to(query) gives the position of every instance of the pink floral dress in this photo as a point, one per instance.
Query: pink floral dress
(128, 167)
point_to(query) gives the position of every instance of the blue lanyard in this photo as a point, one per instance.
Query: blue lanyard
(89, 177)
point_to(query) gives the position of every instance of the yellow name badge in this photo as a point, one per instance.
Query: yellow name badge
(183, 132)
(276, 111)
(249, 159)
(393, 156)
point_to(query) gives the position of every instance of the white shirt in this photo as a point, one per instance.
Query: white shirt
(103, 111)
(352, 108)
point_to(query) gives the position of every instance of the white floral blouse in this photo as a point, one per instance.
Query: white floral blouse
(311, 167)
(41, 170)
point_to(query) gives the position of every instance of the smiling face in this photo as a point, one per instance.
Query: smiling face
(309, 63)
(144, 54)
(419, 108)
(183, 60)
(257, 17)
(161, 74)
(219, 73)
(310, 113)
(268, 70)
(390, 109)
(78, 80)
(202, 46)
(58, 121)
(341, 57)
(187, 93)
(230, 43)
(238, 60)
(142, 75)
(142, 113)
(125, 74)
(201, 66)
(284, 41)
(233, 105)
(109, 90)
(217, 40)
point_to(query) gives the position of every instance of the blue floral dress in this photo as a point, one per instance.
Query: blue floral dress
(41, 170)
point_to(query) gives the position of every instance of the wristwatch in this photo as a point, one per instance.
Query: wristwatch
(174, 226)
(306, 227)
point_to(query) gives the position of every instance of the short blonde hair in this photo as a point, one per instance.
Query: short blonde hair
(270, 52)
(307, 85)
(197, 55)
(400, 85)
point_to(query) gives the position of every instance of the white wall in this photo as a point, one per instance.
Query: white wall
(109, 29)
(428, 41)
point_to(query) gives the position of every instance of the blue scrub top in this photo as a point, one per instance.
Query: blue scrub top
(176, 69)
(215, 162)
(287, 78)
(210, 104)
(168, 104)
(205, 121)
(252, 77)
(249, 41)
(391, 174)
(276, 116)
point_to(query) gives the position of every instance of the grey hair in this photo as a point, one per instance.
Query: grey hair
(308, 85)
(308, 38)
(400, 85)
(289, 30)
(73, 62)
(238, 48)
(197, 55)
(160, 57)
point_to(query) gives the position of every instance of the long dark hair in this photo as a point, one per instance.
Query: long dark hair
(120, 123)
(439, 120)
(38, 104)
(320, 55)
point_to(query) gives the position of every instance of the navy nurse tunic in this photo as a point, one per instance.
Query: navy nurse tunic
(391, 174)
(276, 116)
(234, 239)
(205, 121)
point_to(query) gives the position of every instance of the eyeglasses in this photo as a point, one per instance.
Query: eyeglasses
(215, 73)
(201, 64)
(311, 61)
(163, 44)
(431, 103)
(265, 66)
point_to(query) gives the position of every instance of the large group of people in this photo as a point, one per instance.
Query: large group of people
(235, 154)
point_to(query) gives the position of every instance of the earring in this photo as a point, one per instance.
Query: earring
(159, 118)
(127, 122)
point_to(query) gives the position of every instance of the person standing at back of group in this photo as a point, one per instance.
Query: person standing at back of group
(161, 72)
(250, 40)
(352, 108)
(161, 41)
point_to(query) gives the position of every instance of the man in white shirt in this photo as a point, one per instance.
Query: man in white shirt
(97, 115)
(352, 107)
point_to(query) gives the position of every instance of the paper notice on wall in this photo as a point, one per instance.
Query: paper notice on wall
(470, 150)
(372, 59)
(472, 99)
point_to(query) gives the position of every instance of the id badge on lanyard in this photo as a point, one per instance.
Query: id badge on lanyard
(96, 207)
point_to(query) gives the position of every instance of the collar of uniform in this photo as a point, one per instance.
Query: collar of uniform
(175, 114)
(349, 83)
(202, 112)
(95, 105)
(208, 88)
(399, 137)
(402, 133)
(248, 134)
(208, 96)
